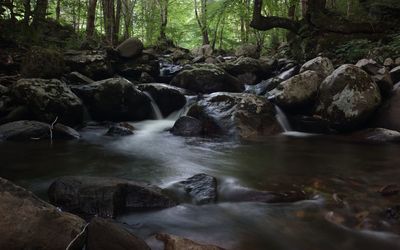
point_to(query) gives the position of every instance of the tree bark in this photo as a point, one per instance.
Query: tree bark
(91, 16)
(202, 20)
(39, 13)
(164, 18)
(109, 20)
(117, 20)
(58, 10)
(27, 11)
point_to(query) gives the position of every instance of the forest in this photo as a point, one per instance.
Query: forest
(199, 124)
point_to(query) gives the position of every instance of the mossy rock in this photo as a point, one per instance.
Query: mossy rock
(43, 63)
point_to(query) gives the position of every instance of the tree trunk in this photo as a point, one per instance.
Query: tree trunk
(117, 20)
(202, 20)
(91, 16)
(27, 11)
(109, 20)
(39, 13)
(164, 18)
(58, 10)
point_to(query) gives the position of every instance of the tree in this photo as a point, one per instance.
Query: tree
(164, 18)
(202, 19)
(39, 13)
(91, 16)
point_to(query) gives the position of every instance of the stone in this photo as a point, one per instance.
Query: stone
(114, 99)
(395, 74)
(94, 64)
(172, 242)
(388, 114)
(248, 50)
(379, 135)
(187, 126)
(322, 65)
(50, 100)
(105, 196)
(199, 189)
(379, 74)
(34, 130)
(204, 51)
(28, 222)
(206, 78)
(76, 78)
(134, 68)
(106, 234)
(388, 62)
(42, 63)
(168, 98)
(248, 70)
(131, 47)
(297, 93)
(243, 116)
(120, 129)
(347, 98)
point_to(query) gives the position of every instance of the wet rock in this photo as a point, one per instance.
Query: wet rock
(379, 74)
(187, 126)
(167, 97)
(49, 99)
(250, 195)
(33, 130)
(395, 74)
(248, 50)
(322, 65)
(206, 78)
(377, 135)
(348, 97)
(105, 235)
(389, 190)
(172, 242)
(30, 223)
(14, 113)
(199, 189)
(114, 99)
(93, 64)
(105, 197)
(131, 47)
(389, 62)
(247, 70)
(76, 78)
(204, 51)
(42, 63)
(243, 116)
(120, 129)
(392, 213)
(310, 124)
(388, 114)
(134, 68)
(297, 93)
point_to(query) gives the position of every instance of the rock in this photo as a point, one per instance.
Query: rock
(14, 113)
(106, 235)
(322, 65)
(49, 99)
(248, 50)
(146, 78)
(199, 189)
(131, 47)
(395, 74)
(204, 51)
(376, 135)
(93, 64)
(134, 68)
(167, 97)
(33, 130)
(297, 93)
(310, 124)
(388, 62)
(397, 61)
(114, 99)
(379, 74)
(120, 129)
(27, 222)
(247, 70)
(206, 78)
(76, 78)
(244, 116)
(348, 97)
(42, 63)
(388, 114)
(187, 126)
(172, 242)
(105, 197)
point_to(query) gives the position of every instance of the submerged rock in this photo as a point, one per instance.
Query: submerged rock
(27, 222)
(206, 78)
(167, 97)
(245, 116)
(322, 65)
(114, 99)
(131, 47)
(251, 195)
(50, 99)
(298, 92)
(348, 97)
(376, 135)
(120, 129)
(33, 130)
(187, 126)
(105, 197)
(105, 234)
(172, 242)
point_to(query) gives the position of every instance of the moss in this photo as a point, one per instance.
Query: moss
(43, 63)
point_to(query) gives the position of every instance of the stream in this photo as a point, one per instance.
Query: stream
(285, 162)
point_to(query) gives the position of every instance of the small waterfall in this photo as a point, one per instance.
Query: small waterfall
(282, 119)
(156, 110)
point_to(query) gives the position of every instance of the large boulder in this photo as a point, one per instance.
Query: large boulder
(207, 78)
(348, 97)
(42, 63)
(103, 234)
(134, 68)
(93, 64)
(173, 242)
(244, 116)
(187, 126)
(388, 114)
(167, 97)
(248, 50)
(297, 93)
(105, 197)
(322, 65)
(131, 47)
(378, 73)
(27, 222)
(50, 99)
(248, 70)
(114, 99)
(34, 130)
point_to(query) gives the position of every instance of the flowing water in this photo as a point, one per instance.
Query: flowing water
(284, 162)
